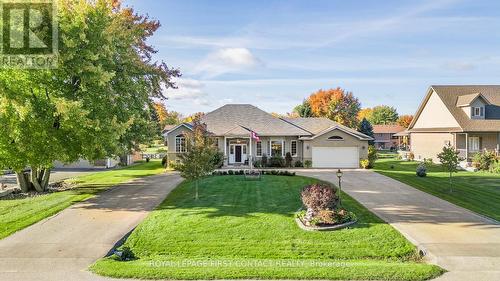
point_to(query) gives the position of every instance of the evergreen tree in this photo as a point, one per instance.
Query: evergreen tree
(366, 128)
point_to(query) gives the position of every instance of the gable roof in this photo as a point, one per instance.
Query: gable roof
(450, 96)
(313, 125)
(466, 100)
(387, 129)
(248, 117)
(320, 126)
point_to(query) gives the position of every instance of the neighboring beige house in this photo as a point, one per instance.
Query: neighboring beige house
(466, 117)
(385, 136)
(324, 142)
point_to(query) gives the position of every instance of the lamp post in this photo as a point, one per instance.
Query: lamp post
(339, 175)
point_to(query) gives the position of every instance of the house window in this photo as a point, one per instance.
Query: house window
(336, 138)
(277, 148)
(259, 148)
(180, 144)
(474, 144)
(293, 148)
(477, 111)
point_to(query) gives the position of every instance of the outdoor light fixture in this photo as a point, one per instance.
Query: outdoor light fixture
(339, 175)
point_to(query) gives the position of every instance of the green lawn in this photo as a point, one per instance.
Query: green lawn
(246, 229)
(20, 213)
(479, 191)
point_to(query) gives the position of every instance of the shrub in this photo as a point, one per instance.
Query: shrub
(428, 161)
(399, 157)
(241, 172)
(264, 160)
(484, 159)
(495, 167)
(230, 172)
(421, 170)
(277, 161)
(372, 156)
(308, 163)
(218, 159)
(411, 156)
(318, 197)
(257, 163)
(365, 163)
(288, 159)
(298, 164)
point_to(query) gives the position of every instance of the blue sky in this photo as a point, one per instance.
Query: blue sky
(273, 54)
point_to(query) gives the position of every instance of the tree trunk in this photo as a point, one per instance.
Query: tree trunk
(37, 180)
(451, 184)
(196, 189)
(23, 181)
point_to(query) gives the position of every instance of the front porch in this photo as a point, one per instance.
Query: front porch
(468, 144)
(237, 152)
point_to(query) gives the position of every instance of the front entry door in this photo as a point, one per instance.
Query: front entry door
(237, 152)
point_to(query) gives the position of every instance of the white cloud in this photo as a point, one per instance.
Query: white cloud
(186, 89)
(225, 61)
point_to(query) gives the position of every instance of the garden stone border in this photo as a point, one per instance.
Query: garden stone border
(323, 228)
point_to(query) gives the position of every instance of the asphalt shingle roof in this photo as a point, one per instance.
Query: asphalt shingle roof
(451, 94)
(229, 117)
(387, 129)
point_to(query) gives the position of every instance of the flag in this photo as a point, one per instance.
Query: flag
(255, 136)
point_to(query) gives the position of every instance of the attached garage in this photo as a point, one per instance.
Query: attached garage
(335, 157)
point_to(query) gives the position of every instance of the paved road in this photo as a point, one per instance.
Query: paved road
(460, 241)
(63, 246)
(55, 175)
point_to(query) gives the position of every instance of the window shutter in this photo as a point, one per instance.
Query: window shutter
(481, 111)
(480, 143)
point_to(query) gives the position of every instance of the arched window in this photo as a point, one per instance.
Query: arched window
(336, 138)
(180, 144)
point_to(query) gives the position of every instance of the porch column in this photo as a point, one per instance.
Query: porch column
(250, 160)
(225, 150)
(467, 147)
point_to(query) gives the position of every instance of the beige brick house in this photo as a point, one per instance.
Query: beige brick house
(467, 117)
(324, 142)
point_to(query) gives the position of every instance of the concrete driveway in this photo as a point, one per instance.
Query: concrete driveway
(63, 246)
(55, 175)
(458, 240)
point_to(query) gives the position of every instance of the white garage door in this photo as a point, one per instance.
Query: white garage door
(335, 157)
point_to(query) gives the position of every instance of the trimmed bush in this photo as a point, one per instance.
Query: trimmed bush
(277, 162)
(288, 159)
(411, 156)
(298, 164)
(421, 170)
(308, 163)
(264, 160)
(365, 163)
(257, 163)
(372, 156)
(164, 161)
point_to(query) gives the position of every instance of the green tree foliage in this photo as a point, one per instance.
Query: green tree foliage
(366, 128)
(304, 109)
(95, 104)
(198, 160)
(383, 115)
(449, 160)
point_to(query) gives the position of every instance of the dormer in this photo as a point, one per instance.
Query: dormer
(473, 105)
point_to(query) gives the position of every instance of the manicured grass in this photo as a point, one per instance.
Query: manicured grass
(479, 191)
(246, 229)
(17, 214)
